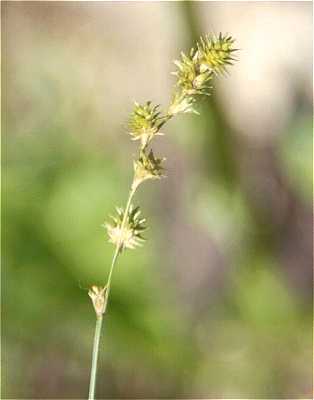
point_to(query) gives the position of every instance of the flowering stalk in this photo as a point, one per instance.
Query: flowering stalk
(194, 75)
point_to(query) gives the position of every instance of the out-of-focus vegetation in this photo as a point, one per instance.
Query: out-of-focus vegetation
(218, 302)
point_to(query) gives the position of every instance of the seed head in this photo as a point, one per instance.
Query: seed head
(190, 79)
(215, 54)
(147, 167)
(128, 236)
(144, 123)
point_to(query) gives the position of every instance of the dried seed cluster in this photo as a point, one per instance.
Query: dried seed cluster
(147, 167)
(126, 234)
(98, 296)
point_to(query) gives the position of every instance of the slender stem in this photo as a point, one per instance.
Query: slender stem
(113, 263)
(92, 383)
(91, 395)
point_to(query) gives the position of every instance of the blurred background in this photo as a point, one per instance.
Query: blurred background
(218, 303)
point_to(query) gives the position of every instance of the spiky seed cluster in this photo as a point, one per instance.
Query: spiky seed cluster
(144, 122)
(129, 235)
(196, 71)
(190, 79)
(194, 75)
(216, 53)
(147, 167)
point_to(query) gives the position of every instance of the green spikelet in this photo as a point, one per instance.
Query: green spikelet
(215, 53)
(190, 79)
(144, 123)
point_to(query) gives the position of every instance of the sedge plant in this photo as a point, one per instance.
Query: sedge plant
(195, 73)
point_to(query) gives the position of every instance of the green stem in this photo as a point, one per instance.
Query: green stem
(92, 383)
(91, 395)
